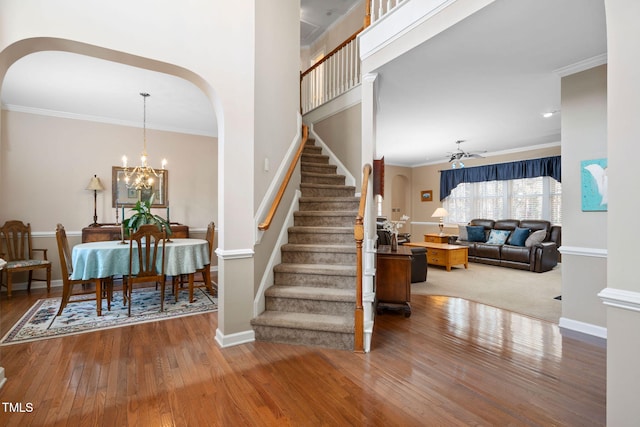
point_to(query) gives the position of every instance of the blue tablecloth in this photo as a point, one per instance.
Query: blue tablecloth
(97, 260)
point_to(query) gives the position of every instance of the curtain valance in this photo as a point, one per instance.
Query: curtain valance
(546, 166)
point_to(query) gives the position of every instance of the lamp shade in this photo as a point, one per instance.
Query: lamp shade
(440, 212)
(95, 184)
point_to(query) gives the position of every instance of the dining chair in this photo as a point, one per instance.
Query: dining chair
(205, 271)
(19, 251)
(143, 253)
(66, 268)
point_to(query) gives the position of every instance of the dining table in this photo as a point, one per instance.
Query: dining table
(105, 259)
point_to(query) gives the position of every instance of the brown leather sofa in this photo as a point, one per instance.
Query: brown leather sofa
(539, 257)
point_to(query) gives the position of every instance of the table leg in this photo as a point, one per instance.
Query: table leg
(99, 296)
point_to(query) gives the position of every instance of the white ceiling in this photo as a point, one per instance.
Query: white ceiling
(76, 86)
(316, 16)
(486, 80)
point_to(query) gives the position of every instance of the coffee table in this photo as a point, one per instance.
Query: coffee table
(444, 254)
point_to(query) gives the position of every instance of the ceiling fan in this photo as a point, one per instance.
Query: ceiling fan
(455, 157)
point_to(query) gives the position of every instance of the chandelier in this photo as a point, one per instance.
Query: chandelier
(143, 176)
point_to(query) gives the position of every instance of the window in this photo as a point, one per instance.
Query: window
(526, 198)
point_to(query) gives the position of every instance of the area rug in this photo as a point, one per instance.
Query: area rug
(520, 291)
(41, 322)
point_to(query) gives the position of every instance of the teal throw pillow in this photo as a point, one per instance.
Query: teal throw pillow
(475, 233)
(498, 237)
(519, 236)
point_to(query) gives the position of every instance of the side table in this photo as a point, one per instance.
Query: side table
(393, 279)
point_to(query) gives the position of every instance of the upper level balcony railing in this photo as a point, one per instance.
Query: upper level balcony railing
(332, 76)
(376, 9)
(339, 71)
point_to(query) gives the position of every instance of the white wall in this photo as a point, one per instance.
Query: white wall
(47, 163)
(623, 316)
(342, 133)
(584, 234)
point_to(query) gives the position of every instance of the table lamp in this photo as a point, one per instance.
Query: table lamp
(96, 186)
(440, 212)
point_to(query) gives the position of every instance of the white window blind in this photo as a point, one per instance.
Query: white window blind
(528, 198)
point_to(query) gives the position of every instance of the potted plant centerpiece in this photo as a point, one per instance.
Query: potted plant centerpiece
(143, 216)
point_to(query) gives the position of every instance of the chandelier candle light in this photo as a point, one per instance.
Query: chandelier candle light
(440, 212)
(143, 176)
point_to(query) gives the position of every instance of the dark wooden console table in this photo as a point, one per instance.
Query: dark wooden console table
(113, 232)
(393, 279)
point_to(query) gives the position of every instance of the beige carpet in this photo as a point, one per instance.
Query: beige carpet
(520, 291)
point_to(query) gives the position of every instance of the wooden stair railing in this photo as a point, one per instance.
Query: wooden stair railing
(276, 202)
(358, 233)
(320, 85)
(330, 54)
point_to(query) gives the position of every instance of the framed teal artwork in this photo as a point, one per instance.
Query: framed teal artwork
(594, 179)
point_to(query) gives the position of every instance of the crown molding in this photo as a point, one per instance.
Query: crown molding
(579, 66)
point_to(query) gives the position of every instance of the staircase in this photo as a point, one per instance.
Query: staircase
(312, 301)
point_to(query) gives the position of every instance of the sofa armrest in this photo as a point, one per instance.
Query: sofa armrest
(545, 256)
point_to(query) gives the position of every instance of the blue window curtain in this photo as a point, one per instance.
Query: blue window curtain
(546, 166)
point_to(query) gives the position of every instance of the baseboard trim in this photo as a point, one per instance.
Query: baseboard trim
(582, 330)
(238, 338)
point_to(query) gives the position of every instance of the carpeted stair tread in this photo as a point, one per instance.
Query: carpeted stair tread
(322, 248)
(319, 269)
(310, 292)
(330, 199)
(326, 213)
(320, 175)
(312, 298)
(309, 321)
(323, 166)
(319, 229)
(327, 186)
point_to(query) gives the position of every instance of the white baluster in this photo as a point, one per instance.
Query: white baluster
(350, 66)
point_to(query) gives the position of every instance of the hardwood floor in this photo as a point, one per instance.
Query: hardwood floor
(453, 362)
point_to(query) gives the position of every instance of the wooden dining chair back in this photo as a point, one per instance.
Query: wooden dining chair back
(66, 269)
(205, 271)
(16, 248)
(146, 248)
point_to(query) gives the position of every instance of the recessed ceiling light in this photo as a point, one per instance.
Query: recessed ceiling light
(550, 113)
